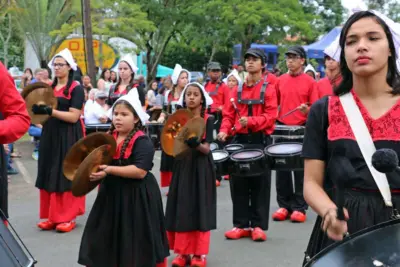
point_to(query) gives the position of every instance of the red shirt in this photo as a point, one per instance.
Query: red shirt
(325, 86)
(221, 97)
(271, 78)
(292, 91)
(264, 115)
(16, 119)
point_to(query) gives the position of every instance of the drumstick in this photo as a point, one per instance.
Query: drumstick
(235, 107)
(292, 111)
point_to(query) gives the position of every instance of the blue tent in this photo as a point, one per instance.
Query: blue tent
(270, 49)
(162, 71)
(316, 50)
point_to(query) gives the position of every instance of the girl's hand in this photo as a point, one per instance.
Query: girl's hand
(335, 228)
(102, 172)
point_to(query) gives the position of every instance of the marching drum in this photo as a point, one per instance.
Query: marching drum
(154, 130)
(285, 156)
(248, 162)
(101, 127)
(233, 148)
(288, 132)
(378, 245)
(221, 161)
(214, 146)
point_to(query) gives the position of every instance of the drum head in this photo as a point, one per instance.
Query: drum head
(220, 155)
(213, 146)
(284, 149)
(234, 147)
(375, 246)
(247, 154)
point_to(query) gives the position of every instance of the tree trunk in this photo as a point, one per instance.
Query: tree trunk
(5, 54)
(246, 43)
(213, 52)
(87, 24)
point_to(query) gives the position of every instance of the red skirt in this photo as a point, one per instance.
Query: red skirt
(166, 178)
(189, 243)
(60, 207)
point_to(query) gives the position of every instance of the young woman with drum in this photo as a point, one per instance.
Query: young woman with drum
(192, 206)
(250, 118)
(369, 44)
(59, 133)
(180, 78)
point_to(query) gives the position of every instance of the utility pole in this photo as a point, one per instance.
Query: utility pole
(88, 35)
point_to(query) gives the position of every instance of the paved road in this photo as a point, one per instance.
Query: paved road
(284, 247)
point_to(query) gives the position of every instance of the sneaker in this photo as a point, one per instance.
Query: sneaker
(280, 215)
(237, 233)
(298, 217)
(258, 235)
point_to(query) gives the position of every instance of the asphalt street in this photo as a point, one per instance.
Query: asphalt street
(285, 245)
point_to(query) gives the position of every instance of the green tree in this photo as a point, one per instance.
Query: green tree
(6, 30)
(391, 8)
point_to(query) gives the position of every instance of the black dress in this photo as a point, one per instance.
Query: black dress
(191, 204)
(3, 184)
(57, 138)
(328, 129)
(126, 227)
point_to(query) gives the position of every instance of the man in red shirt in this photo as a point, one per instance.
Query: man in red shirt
(333, 77)
(296, 91)
(257, 107)
(14, 124)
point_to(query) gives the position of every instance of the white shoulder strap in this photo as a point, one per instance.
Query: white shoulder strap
(166, 97)
(366, 144)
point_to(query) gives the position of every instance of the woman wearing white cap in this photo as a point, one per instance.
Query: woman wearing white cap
(60, 132)
(233, 79)
(344, 130)
(126, 73)
(126, 225)
(180, 78)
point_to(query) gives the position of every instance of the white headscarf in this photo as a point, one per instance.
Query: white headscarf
(133, 99)
(65, 54)
(310, 68)
(235, 74)
(177, 72)
(209, 100)
(334, 49)
(128, 60)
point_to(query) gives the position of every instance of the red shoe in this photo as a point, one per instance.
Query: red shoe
(298, 216)
(280, 215)
(217, 183)
(47, 225)
(237, 233)
(258, 235)
(226, 177)
(199, 261)
(181, 261)
(66, 227)
(5, 223)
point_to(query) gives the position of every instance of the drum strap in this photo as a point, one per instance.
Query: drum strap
(365, 143)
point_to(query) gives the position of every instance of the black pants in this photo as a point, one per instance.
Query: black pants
(251, 195)
(292, 200)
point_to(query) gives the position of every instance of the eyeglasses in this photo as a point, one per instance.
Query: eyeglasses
(59, 65)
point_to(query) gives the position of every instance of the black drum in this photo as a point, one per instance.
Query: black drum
(288, 132)
(248, 162)
(233, 148)
(285, 156)
(154, 130)
(101, 127)
(214, 146)
(221, 161)
(12, 252)
(378, 245)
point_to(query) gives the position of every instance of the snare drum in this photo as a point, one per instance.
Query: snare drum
(233, 148)
(214, 146)
(100, 127)
(153, 130)
(248, 162)
(378, 245)
(221, 161)
(288, 132)
(285, 156)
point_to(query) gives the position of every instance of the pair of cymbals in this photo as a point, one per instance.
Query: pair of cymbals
(195, 127)
(39, 93)
(85, 157)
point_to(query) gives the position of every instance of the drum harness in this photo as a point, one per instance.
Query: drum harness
(216, 114)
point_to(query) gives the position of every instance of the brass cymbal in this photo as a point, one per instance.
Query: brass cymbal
(195, 127)
(171, 129)
(81, 185)
(81, 149)
(40, 94)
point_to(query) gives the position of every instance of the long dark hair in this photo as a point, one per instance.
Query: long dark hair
(69, 82)
(393, 76)
(137, 127)
(203, 106)
(131, 82)
(103, 74)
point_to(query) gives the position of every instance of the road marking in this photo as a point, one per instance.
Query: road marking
(25, 174)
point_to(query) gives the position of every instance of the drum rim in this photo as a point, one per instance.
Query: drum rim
(230, 145)
(248, 159)
(280, 155)
(216, 145)
(220, 160)
(350, 237)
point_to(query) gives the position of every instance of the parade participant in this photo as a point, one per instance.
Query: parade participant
(333, 77)
(295, 90)
(126, 227)
(369, 44)
(180, 78)
(191, 205)
(126, 81)
(257, 104)
(14, 123)
(310, 71)
(59, 133)
(233, 80)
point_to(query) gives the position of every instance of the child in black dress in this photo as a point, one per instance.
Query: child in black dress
(191, 205)
(125, 227)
